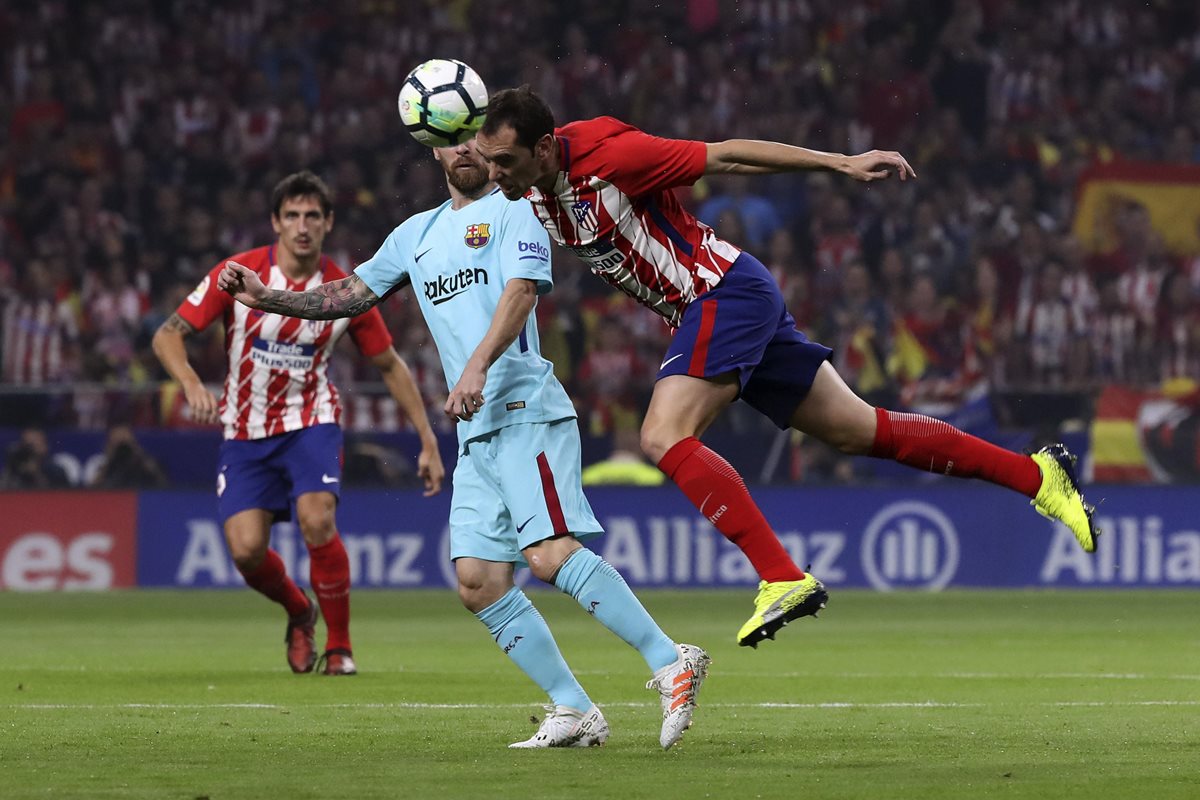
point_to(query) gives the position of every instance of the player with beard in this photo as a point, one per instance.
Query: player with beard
(477, 264)
(604, 190)
(282, 454)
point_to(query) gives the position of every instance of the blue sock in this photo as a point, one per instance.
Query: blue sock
(603, 593)
(524, 637)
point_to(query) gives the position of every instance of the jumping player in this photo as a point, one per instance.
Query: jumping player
(282, 451)
(478, 263)
(602, 189)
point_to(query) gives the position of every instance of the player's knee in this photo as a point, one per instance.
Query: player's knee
(317, 527)
(855, 435)
(479, 595)
(849, 441)
(478, 587)
(247, 560)
(656, 441)
(546, 557)
(542, 568)
(470, 597)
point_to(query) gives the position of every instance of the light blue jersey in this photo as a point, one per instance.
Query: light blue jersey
(458, 262)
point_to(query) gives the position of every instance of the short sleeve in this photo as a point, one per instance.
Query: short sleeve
(525, 247)
(370, 333)
(639, 163)
(206, 302)
(389, 268)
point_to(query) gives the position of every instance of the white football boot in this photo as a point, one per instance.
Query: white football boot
(569, 727)
(678, 684)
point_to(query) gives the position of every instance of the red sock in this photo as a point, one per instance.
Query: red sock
(272, 580)
(719, 492)
(330, 576)
(935, 446)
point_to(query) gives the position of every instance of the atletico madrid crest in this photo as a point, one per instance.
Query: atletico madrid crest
(478, 235)
(585, 216)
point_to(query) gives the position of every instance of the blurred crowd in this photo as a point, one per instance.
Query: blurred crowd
(141, 139)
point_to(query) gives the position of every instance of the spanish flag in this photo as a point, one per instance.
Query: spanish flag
(1117, 455)
(1169, 192)
(1141, 436)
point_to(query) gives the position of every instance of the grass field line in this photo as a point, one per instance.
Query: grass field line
(1099, 676)
(504, 706)
(990, 676)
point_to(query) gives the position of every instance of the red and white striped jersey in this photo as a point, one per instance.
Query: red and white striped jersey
(278, 366)
(613, 207)
(36, 335)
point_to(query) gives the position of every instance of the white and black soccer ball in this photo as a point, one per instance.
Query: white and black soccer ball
(442, 102)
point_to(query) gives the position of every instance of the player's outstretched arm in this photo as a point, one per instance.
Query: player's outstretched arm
(404, 391)
(753, 157)
(512, 311)
(348, 297)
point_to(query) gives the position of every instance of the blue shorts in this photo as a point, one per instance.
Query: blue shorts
(271, 473)
(516, 487)
(741, 325)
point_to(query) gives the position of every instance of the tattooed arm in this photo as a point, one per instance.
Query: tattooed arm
(348, 297)
(171, 351)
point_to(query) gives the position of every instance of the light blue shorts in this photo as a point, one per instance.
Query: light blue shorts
(515, 487)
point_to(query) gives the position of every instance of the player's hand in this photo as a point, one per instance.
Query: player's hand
(466, 398)
(201, 402)
(878, 164)
(241, 282)
(430, 469)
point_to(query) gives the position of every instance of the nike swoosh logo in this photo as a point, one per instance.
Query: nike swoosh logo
(327, 479)
(669, 360)
(706, 497)
(521, 527)
(441, 300)
(422, 255)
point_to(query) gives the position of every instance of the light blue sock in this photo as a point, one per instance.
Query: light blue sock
(603, 593)
(524, 637)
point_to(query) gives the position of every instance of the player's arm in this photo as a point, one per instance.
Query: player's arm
(169, 346)
(348, 297)
(754, 157)
(400, 383)
(512, 312)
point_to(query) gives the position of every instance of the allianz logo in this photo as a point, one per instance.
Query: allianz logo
(910, 545)
(905, 545)
(1132, 550)
(376, 559)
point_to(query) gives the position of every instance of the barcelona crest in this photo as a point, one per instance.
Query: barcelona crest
(478, 235)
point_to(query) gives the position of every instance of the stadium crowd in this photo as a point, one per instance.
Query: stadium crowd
(141, 140)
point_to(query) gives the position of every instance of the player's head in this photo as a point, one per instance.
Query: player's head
(517, 140)
(302, 213)
(465, 169)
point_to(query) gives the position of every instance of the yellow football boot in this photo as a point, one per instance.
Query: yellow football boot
(1059, 497)
(779, 603)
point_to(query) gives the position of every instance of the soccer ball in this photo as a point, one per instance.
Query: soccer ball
(442, 102)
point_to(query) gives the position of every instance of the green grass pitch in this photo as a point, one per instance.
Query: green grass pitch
(186, 695)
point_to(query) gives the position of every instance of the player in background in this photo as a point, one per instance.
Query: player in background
(602, 189)
(477, 264)
(283, 447)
